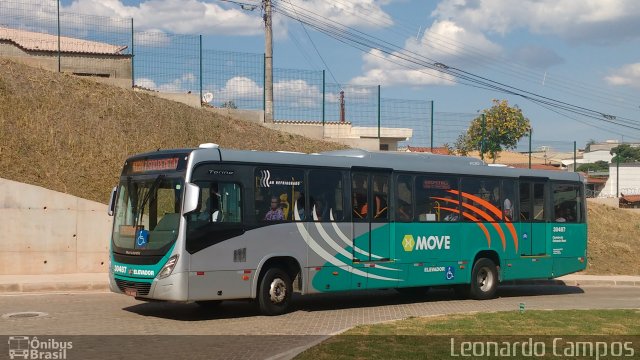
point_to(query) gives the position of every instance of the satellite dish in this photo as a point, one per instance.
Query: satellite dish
(207, 97)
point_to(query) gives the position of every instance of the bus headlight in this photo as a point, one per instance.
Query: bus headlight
(167, 269)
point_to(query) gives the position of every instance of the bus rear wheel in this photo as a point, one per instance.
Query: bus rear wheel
(274, 293)
(484, 280)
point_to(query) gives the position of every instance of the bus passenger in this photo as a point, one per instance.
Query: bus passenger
(275, 212)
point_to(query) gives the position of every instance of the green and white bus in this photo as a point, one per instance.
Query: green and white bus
(208, 224)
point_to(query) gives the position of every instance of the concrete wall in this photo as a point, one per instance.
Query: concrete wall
(629, 180)
(47, 232)
(115, 66)
(256, 116)
(192, 100)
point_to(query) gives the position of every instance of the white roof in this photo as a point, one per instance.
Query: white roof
(36, 41)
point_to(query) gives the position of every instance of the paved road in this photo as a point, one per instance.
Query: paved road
(315, 316)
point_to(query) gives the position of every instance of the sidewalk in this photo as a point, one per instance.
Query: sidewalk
(100, 282)
(54, 283)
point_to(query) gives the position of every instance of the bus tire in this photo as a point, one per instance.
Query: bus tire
(274, 293)
(484, 280)
(209, 304)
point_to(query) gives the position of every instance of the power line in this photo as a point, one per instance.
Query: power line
(363, 41)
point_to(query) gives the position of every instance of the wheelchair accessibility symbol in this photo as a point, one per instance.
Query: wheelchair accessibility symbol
(450, 272)
(142, 238)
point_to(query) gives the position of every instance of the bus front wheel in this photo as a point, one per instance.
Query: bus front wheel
(274, 295)
(484, 280)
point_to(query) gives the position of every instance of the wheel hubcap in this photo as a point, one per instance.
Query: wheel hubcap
(485, 279)
(277, 291)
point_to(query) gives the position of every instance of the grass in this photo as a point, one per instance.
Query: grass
(614, 240)
(430, 337)
(72, 135)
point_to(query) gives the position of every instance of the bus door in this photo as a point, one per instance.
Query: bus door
(533, 208)
(371, 231)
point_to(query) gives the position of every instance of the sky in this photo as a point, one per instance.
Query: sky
(581, 52)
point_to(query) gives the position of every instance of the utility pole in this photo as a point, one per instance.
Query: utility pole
(268, 63)
(482, 144)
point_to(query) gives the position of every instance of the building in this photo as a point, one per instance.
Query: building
(629, 180)
(106, 62)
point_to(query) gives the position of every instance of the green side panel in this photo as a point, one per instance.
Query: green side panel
(567, 240)
(563, 266)
(436, 273)
(331, 278)
(380, 240)
(539, 239)
(528, 268)
(525, 237)
(358, 281)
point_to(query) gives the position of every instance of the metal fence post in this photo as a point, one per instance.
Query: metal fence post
(200, 45)
(323, 99)
(575, 165)
(530, 133)
(133, 67)
(378, 115)
(59, 56)
(432, 126)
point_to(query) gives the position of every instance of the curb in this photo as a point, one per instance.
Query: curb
(572, 282)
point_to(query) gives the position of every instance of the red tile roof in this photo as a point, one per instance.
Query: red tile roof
(630, 198)
(436, 150)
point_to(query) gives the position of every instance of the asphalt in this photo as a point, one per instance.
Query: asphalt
(99, 282)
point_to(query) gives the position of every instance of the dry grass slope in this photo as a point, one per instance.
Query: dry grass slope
(614, 240)
(72, 135)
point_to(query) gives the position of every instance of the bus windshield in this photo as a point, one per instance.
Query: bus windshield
(147, 212)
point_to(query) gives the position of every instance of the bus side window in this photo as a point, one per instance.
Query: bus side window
(277, 193)
(404, 198)
(326, 195)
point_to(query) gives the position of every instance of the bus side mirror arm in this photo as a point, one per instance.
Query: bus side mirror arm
(112, 201)
(191, 198)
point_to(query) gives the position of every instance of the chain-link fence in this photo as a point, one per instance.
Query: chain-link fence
(39, 34)
(105, 47)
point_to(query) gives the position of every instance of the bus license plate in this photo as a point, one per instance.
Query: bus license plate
(131, 292)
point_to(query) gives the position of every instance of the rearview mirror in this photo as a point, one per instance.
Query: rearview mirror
(191, 198)
(112, 201)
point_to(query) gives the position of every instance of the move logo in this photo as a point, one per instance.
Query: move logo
(432, 242)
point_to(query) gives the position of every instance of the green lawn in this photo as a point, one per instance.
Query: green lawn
(431, 337)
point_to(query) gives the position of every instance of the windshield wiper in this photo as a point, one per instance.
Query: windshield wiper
(147, 196)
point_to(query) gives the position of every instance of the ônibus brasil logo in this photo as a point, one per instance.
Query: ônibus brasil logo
(432, 242)
(25, 347)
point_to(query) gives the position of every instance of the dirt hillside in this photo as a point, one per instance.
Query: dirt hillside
(72, 135)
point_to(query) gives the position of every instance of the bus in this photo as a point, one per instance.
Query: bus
(208, 224)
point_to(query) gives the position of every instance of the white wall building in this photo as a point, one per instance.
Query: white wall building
(629, 180)
(597, 155)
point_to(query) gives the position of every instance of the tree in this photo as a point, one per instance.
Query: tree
(503, 126)
(594, 167)
(626, 153)
(229, 105)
